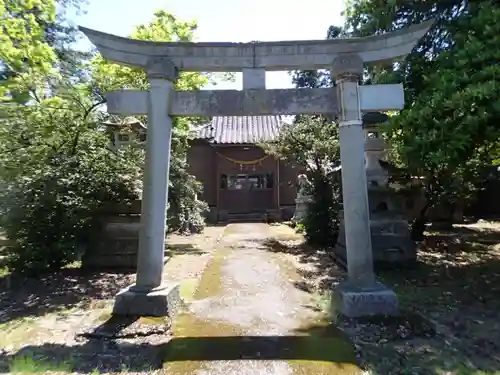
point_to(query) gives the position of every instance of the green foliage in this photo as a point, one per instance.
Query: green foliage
(28, 365)
(36, 47)
(312, 143)
(185, 213)
(24, 52)
(321, 223)
(299, 228)
(448, 133)
(369, 17)
(57, 173)
(57, 170)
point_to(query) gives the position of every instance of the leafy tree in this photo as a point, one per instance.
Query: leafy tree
(25, 53)
(56, 173)
(312, 143)
(450, 133)
(185, 211)
(447, 134)
(370, 17)
(57, 170)
(36, 45)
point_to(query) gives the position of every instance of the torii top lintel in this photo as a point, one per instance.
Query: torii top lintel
(234, 57)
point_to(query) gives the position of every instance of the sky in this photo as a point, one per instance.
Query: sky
(223, 21)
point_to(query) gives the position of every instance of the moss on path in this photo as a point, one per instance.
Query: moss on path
(247, 317)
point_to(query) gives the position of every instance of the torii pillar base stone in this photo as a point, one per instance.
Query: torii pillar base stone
(360, 294)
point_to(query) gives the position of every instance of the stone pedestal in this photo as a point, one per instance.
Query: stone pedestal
(356, 301)
(161, 301)
(301, 206)
(117, 246)
(118, 243)
(391, 241)
(303, 198)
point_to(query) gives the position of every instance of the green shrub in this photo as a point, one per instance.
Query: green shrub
(186, 213)
(321, 224)
(57, 173)
(51, 213)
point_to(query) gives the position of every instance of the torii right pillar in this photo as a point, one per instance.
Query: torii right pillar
(360, 294)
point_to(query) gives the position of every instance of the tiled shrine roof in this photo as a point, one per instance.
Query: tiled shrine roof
(240, 129)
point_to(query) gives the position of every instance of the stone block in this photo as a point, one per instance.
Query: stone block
(162, 301)
(391, 241)
(353, 301)
(347, 64)
(212, 215)
(273, 215)
(117, 245)
(223, 216)
(287, 212)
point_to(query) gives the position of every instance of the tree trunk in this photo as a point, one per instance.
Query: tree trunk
(418, 226)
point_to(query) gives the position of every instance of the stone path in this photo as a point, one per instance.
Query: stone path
(247, 317)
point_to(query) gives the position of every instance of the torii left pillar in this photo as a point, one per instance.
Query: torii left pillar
(149, 296)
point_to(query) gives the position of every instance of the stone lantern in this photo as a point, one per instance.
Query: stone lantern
(375, 149)
(303, 199)
(125, 131)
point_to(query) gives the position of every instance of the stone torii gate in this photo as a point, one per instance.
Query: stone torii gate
(360, 294)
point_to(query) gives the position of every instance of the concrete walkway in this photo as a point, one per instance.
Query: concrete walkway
(247, 317)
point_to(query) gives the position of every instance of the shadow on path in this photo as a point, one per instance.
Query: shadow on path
(246, 317)
(62, 290)
(115, 346)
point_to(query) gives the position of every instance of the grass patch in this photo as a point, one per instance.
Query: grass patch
(4, 271)
(15, 332)
(323, 302)
(188, 289)
(28, 365)
(410, 296)
(283, 232)
(105, 316)
(308, 348)
(73, 265)
(210, 282)
(153, 320)
(465, 370)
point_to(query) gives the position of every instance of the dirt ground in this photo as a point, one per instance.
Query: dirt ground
(449, 326)
(49, 318)
(450, 302)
